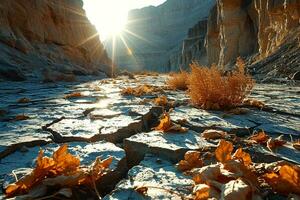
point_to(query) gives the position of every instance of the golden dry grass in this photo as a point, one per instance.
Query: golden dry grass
(210, 89)
(178, 81)
(141, 90)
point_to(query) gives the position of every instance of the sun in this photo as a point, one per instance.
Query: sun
(109, 17)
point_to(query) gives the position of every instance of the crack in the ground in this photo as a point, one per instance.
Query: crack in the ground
(13, 148)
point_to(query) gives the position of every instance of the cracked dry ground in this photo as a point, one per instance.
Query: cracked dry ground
(104, 123)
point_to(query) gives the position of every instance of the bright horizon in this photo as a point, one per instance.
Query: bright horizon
(110, 16)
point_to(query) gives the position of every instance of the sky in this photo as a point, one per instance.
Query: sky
(110, 16)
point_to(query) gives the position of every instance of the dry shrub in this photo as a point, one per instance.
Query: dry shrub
(209, 88)
(140, 90)
(178, 81)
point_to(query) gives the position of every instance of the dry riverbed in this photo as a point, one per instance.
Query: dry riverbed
(95, 119)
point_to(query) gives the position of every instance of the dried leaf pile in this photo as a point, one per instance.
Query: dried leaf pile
(74, 95)
(254, 103)
(262, 138)
(235, 176)
(62, 169)
(164, 102)
(161, 101)
(141, 90)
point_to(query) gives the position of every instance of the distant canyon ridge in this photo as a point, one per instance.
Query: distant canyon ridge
(169, 37)
(48, 37)
(41, 37)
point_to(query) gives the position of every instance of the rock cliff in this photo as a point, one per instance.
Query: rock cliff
(265, 30)
(245, 27)
(155, 33)
(41, 36)
(192, 49)
(255, 27)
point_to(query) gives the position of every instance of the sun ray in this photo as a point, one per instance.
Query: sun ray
(89, 38)
(129, 50)
(113, 51)
(136, 35)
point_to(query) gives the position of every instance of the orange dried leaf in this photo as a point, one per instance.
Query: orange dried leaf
(21, 117)
(239, 170)
(43, 166)
(98, 170)
(286, 181)
(213, 134)
(191, 160)
(65, 162)
(74, 95)
(273, 143)
(261, 137)
(254, 103)
(203, 192)
(62, 169)
(161, 101)
(296, 145)
(141, 190)
(83, 176)
(241, 155)
(223, 151)
(165, 122)
(166, 125)
(207, 173)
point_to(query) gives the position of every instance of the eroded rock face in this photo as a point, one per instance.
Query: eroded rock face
(241, 28)
(49, 35)
(268, 31)
(193, 48)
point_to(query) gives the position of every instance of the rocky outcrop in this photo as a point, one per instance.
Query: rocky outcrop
(155, 33)
(242, 28)
(38, 35)
(266, 33)
(193, 48)
(282, 64)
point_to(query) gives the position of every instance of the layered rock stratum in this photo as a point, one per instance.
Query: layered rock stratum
(265, 31)
(42, 36)
(244, 28)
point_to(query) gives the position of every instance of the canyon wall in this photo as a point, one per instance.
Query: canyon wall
(192, 49)
(153, 34)
(262, 31)
(242, 28)
(41, 36)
